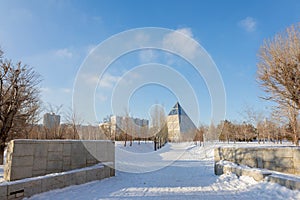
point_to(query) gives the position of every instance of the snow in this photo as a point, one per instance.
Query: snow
(266, 171)
(188, 175)
(1, 173)
(2, 166)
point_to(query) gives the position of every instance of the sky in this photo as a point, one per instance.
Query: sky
(56, 38)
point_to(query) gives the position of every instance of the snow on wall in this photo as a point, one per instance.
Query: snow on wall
(281, 159)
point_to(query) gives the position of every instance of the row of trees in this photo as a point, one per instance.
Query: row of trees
(256, 126)
(63, 131)
(265, 131)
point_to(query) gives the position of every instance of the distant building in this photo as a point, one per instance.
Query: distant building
(180, 126)
(116, 125)
(51, 120)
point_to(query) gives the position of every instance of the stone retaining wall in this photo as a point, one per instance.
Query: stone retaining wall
(16, 190)
(30, 158)
(281, 159)
(290, 181)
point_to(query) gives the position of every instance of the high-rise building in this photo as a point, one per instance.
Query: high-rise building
(180, 126)
(51, 120)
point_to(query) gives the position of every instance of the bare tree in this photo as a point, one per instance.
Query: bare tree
(54, 108)
(89, 132)
(226, 131)
(212, 133)
(199, 134)
(246, 132)
(144, 132)
(291, 114)
(279, 72)
(73, 122)
(26, 127)
(125, 126)
(254, 117)
(158, 126)
(278, 118)
(106, 129)
(19, 98)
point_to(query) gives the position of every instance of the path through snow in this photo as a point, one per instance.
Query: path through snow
(189, 177)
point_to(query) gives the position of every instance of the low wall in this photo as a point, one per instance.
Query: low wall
(281, 159)
(290, 181)
(16, 190)
(30, 158)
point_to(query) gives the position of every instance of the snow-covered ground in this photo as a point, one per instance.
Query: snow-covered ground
(1, 173)
(187, 175)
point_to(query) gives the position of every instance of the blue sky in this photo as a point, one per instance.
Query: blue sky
(54, 37)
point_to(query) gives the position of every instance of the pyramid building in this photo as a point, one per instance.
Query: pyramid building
(180, 126)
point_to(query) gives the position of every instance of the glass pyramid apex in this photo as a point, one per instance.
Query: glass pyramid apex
(177, 110)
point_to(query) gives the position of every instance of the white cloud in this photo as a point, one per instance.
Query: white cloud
(248, 24)
(141, 37)
(186, 31)
(130, 77)
(45, 89)
(63, 53)
(180, 43)
(55, 90)
(89, 78)
(66, 90)
(108, 81)
(147, 55)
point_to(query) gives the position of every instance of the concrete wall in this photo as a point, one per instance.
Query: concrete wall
(16, 190)
(30, 158)
(281, 159)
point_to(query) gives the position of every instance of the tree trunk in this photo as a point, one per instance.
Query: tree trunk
(296, 140)
(131, 138)
(125, 140)
(2, 148)
(1, 156)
